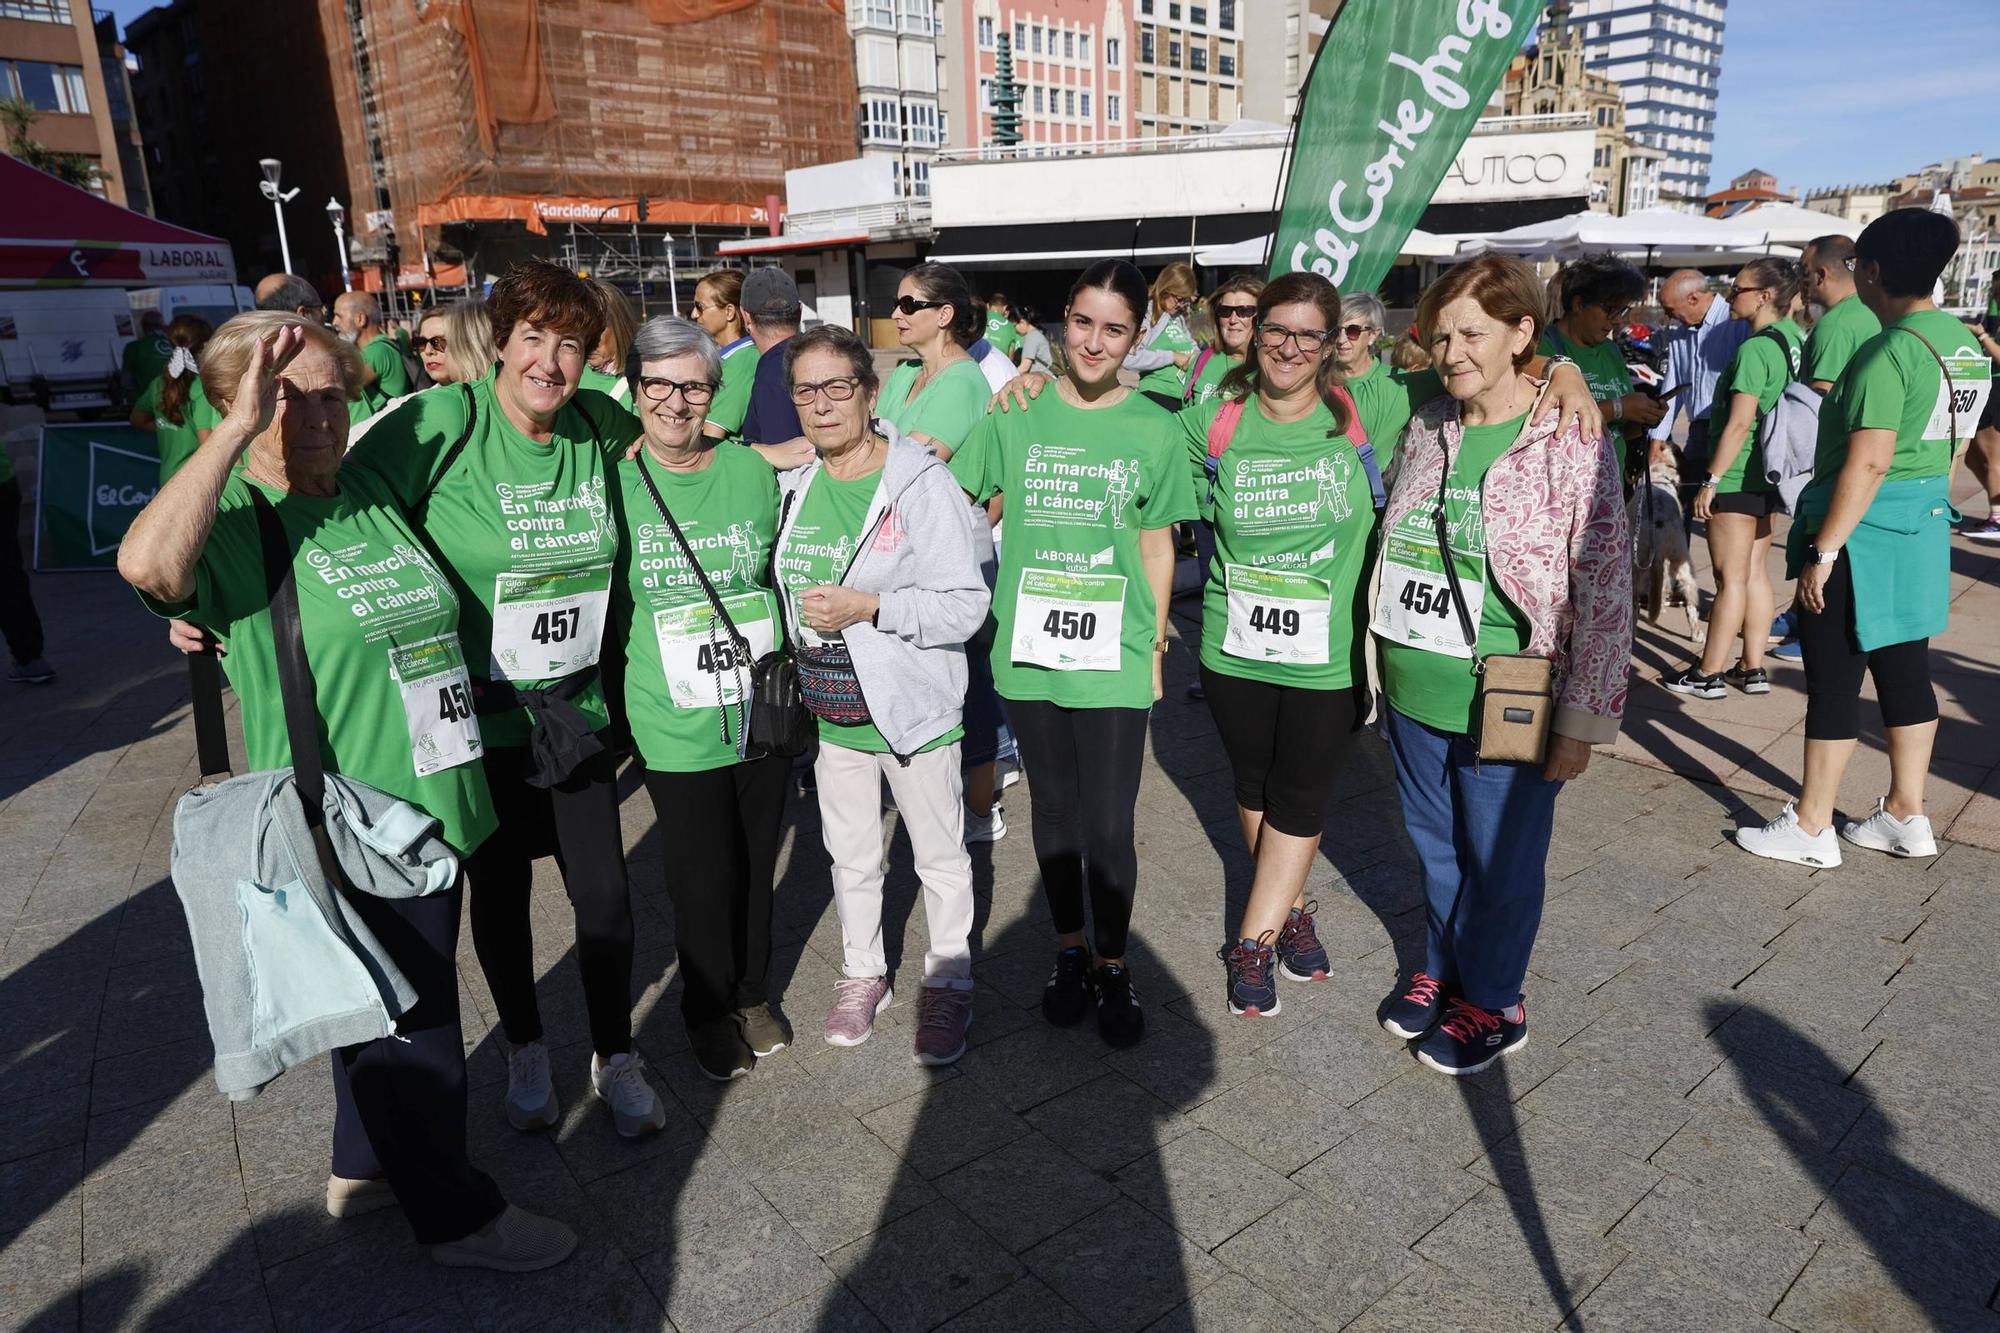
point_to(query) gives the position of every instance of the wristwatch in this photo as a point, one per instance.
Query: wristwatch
(1815, 556)
(1709, 483)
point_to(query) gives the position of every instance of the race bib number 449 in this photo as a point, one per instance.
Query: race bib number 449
(1277, 616)
(546, 626)
(1069, 622)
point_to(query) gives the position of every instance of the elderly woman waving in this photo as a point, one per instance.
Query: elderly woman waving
(1504, 547)
(196, 554)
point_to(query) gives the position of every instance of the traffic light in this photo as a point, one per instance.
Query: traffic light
(645, 206)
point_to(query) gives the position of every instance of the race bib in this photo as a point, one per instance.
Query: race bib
(702, 666)
(1414, 607)
(546, 626)
(1965, 393)
(437, 703)
(1069, 622)
(1275, 616)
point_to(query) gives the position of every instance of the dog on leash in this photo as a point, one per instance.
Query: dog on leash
(1660, 548)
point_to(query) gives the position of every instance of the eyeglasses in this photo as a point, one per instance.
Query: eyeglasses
(435, 343)
(838, 390)
(1353, 332)
(1273, 336)
(695, 393)
(910, 305)
(1618, 312)
(1735, 292)
(1236, 312)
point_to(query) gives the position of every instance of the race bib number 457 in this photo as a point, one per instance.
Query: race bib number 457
(546, 626)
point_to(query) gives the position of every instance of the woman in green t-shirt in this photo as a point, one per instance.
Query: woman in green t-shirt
(1590, 299)
(380, 627)
(1736, 501)
(1164, 348)
(171, 405)
(1094, 479)
(605, 370)
(1292, 502)
(1233, 307)
(717, 308)
(686, 684)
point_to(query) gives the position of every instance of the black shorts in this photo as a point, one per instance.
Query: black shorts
(1990, 418)
(1757, 504)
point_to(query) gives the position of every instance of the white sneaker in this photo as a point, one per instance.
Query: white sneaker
(620, 1083)
(1010, 773)
(1883, 832)
(531, 1096)
(1783, 840)
(985, 828)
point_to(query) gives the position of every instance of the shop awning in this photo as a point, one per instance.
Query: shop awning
(779, 245)
(1146, 241)
(53, 234)
(539, 212)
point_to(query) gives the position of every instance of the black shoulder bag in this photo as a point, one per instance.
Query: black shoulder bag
(778, 722)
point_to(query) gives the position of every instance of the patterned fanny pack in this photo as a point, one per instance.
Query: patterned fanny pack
(831, 689)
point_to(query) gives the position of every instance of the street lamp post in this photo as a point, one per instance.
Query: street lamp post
(338, 217)
(270, 166)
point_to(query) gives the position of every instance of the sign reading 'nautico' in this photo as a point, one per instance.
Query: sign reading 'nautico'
(1395, 89)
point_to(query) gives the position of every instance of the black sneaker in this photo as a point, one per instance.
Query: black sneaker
(1120, 1020)
(720, 1051)
(1066, 998)
(1253, 991)
(1471, 1038)
(1412, 1014)
(1750, 680)
(1689, 680)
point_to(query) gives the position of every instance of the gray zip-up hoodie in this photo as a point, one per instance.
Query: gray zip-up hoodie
(920, 555)
(287, 968)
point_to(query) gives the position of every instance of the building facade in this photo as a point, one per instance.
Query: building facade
(1073, 60)
(49, 59)
(1552, 78)
(1753, 189)
(900, 84)
(1859, 204)
(1188, 65)
(1666, 58)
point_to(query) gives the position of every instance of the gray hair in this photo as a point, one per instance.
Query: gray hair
(665, 336)
(1366, 307)
(291, 296)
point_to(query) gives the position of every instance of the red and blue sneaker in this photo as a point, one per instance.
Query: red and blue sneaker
(1471, 1038)
(1300, 956)
(1416, 1011)
(1253, 990)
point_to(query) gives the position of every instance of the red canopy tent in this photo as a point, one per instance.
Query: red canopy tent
(53, 234)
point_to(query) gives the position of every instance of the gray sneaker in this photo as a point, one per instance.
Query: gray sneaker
(621, 1084)
(943, 1015)
(531, 1094)
(514, 1242)
(765, 1028)
(34, 672)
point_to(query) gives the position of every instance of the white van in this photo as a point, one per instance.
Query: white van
(61, 350)
(213, 303)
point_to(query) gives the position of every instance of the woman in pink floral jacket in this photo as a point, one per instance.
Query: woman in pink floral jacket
(1534, 522)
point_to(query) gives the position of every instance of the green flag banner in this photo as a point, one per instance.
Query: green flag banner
(91, 483)
(1379, 125)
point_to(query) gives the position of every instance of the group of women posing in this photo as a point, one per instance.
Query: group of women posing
(585, 573)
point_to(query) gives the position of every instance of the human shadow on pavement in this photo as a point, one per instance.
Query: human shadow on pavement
(1939, 1246)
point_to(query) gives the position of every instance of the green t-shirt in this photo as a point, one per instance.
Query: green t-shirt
(615, 387)
(947, 409)
(732, 401)
(1075, 616)
(1836, 338)
(145, 357)
(1604, 371)
(1387, 399)
(1761, 369)
(379, 622)
(817, 550)
(682, 682)
(1893, 384)
(1434, 688)
(177, 443)
(1001, 333)
(1208, 384)
(1293, 519)
(1170, 334)
(523, 529)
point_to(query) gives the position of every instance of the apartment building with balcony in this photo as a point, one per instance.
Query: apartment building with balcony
(1666, 58)
(49, 58)
(900, 85)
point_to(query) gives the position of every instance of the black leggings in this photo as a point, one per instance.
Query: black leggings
(1834, 666)
(720, 829)
(1285, 744)
(1083, 766)
(577, 823)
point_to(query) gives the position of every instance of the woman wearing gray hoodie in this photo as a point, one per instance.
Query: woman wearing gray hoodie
(878, 570)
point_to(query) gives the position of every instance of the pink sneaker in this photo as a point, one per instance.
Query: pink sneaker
(943, 1015)
(856, 1001)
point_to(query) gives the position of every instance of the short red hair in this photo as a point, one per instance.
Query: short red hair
(547, 295)
(1505, 288)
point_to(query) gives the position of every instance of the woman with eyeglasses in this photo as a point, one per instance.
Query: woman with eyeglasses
(696, 517)
(1292, 499)
(880, 577)
(1736, 500)
(1588, 300)
(1234, 308)
(1165, 349)
(716, 308)
(1094, 479)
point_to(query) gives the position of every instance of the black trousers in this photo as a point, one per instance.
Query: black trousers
(1285, 745)
(577, 823)
(721, 828)
(1083, 765)
(1835, 664)
(399, 1102)
(19, 624)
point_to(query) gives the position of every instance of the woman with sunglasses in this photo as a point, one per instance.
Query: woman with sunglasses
(456, 343)
(1234, 308)
(1094, 479)
(1735, 500)
(1385, 397)
(1588, 300)
(1165, 349)
(716, 301)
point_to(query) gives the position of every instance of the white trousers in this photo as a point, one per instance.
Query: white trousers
(930, 797)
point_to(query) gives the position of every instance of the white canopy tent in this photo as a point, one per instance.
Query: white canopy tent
(1251, 253)
(1788, 224)
(1653, 236)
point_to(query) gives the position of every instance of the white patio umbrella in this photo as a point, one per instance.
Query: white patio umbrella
(1653, 236)
(1788, 224)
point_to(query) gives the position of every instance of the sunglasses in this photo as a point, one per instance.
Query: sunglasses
(1236, 312)
(702, 307)
(1353, 332)
(1735, 292)
(910, 305)
(436, 343)
(693, 392)
(839, 390)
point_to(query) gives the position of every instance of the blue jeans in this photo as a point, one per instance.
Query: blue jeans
(1482, 833)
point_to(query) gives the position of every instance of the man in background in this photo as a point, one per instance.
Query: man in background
(771, 311)
(357, 317)
(1698, 351)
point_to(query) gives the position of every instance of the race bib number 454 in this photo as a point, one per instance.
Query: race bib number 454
(546, 626)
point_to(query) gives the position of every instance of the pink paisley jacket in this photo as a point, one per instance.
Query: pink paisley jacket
(1557, 546)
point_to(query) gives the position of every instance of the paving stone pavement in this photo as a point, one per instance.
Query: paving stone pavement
(1756, 1097)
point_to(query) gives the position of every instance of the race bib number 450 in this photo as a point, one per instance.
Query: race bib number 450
(1069, 622)
(546, 626)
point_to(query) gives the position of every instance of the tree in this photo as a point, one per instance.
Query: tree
(1006, 96)
(17, 120)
